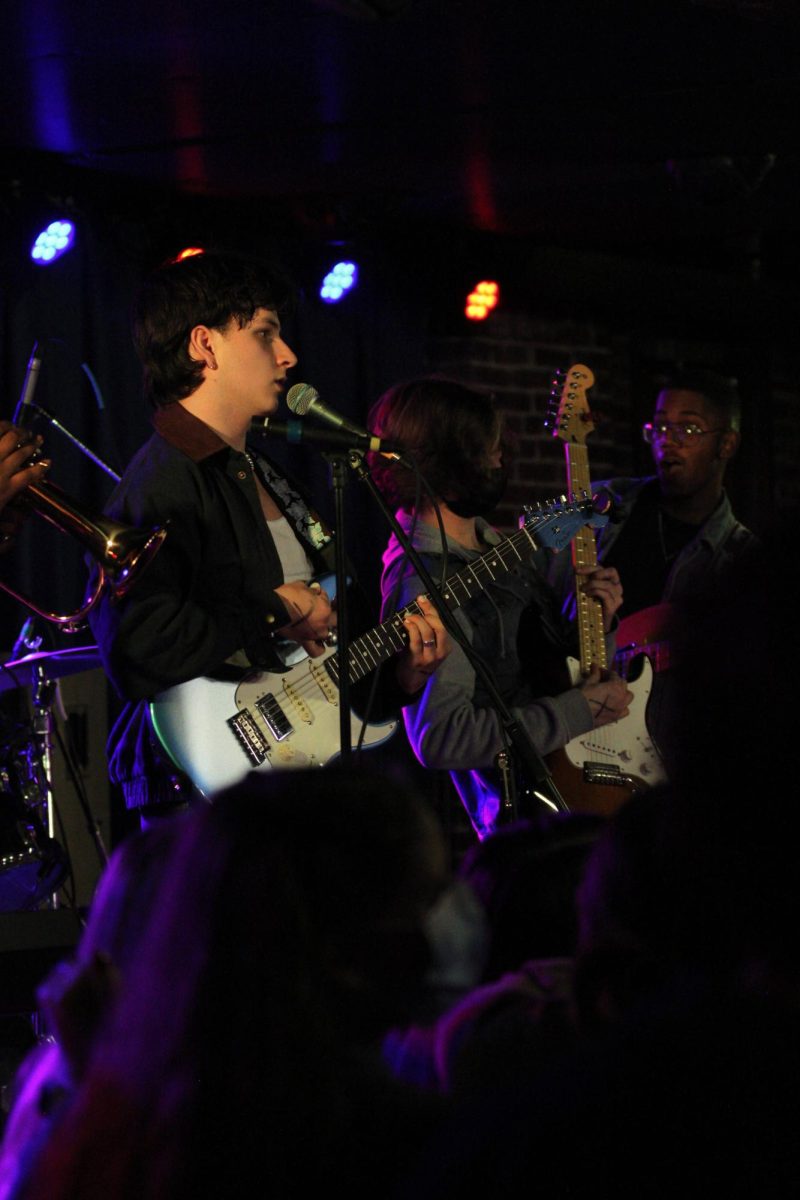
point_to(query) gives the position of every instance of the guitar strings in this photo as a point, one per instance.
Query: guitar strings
(381, 642)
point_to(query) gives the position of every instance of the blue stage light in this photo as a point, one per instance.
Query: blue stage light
(339, 280)
(52, 242)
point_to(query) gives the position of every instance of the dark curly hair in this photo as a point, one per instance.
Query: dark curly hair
(447, 428)
(720, 392)
(205, 289)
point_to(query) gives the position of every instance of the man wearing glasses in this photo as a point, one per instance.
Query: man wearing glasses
(672, 535)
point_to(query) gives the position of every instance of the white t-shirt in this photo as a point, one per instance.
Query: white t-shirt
(294, 560)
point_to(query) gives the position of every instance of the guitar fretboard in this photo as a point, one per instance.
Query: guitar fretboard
(584, 554)
(371, 649)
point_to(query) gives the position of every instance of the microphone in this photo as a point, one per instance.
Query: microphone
(29, 386)
(296, 432)
(303, 400)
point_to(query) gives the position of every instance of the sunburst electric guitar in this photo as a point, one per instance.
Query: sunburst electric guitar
(598, 771)
(217, 731)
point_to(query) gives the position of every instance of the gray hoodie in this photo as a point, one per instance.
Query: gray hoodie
(453, 726)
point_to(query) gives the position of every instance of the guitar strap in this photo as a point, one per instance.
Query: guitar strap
(304, 520)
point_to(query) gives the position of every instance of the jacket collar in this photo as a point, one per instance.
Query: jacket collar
(187, 433)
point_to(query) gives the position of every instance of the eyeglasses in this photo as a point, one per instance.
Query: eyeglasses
(680, 432)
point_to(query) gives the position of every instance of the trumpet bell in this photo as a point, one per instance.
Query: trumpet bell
(121, 551)
(126, 554)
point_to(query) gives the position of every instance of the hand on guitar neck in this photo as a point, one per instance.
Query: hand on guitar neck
(603, 585)
(606, 692)
(607, 695)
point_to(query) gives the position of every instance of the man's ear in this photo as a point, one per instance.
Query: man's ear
(728, 444)
(201, 346)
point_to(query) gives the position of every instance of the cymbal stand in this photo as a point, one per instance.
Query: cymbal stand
(43, 725)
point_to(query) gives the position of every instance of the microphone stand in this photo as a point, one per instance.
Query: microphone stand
(543, 786)
(84, 449)
(338, 464)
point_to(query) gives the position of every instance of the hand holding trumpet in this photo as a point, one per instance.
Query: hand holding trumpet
(121, 552)
(16, 448)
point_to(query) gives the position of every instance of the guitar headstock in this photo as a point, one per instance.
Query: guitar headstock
(569, 416)
(555, 523)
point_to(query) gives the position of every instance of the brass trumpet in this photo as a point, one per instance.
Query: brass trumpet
(120, 551)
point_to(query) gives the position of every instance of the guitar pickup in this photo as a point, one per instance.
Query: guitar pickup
(249, 737)
(279, 724)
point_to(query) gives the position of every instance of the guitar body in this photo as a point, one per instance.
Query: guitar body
(599, 771)
(650, 631)
(217, 732)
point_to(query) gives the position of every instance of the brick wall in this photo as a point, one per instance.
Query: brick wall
(515, 355)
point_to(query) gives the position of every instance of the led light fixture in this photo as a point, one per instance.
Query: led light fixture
(338, 282)
(52, 242)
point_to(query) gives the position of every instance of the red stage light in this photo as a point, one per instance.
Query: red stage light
(482, 299)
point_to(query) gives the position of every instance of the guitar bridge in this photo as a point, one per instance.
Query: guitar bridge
(249, 737)
(606, 773)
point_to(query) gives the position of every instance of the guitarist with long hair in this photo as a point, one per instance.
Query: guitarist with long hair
(454, 435)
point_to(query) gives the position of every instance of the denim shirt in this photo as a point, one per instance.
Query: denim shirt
(454, 725)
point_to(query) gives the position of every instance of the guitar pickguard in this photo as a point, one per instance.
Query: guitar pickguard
(217, 732)
(599, 770)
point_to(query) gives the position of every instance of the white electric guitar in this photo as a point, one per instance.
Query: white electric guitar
(217, 731)
(598, 771)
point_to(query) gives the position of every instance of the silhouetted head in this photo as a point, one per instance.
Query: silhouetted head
(453, 435)
(526, 876)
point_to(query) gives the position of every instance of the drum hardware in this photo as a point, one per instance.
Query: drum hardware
(23, 672)
(33, 864)
(121, 552)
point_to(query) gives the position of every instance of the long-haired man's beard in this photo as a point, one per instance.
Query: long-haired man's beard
(484, 495)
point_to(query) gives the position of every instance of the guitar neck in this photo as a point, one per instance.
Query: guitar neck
(384, 641)
(591, 634)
